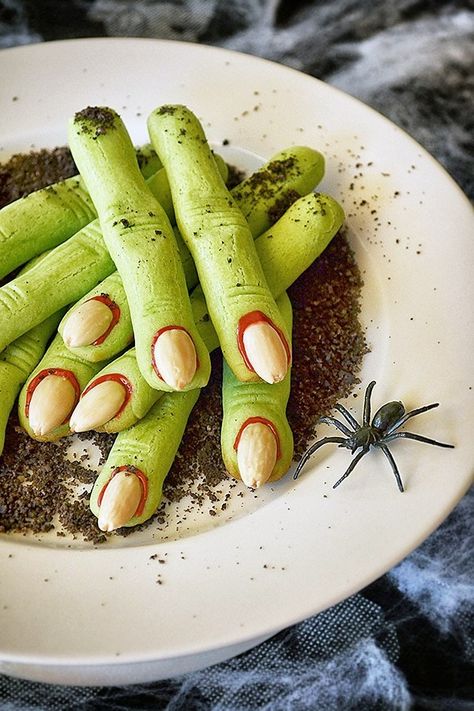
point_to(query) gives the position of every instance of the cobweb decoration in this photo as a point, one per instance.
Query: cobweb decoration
(438, 577)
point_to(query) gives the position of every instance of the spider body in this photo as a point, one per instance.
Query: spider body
(378, 432)
(388, 415)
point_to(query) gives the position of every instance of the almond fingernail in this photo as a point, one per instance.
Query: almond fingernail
(257, 452)
(265, 351)
(87, 323)
(51, 403)
(175, 357)
(120, 501)
(98, 405)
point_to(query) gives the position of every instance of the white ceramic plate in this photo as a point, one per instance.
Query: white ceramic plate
(101, 617)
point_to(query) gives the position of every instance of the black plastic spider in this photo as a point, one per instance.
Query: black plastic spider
(377, 433)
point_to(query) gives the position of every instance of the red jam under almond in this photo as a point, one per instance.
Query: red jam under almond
(114, 308)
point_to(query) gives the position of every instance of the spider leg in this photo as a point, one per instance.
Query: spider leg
(340, 425)
(347, 415)
(393, 464)
(407, 416)
(351, 466)
(311, 451)
(368, 393)
(417, 437)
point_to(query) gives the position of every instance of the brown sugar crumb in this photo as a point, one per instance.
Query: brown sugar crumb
(98, 120)
(24, 173)
(37, 484)
(328, 342)
(234, 177)
(167, 109)
(199, 457)
(143, 158)
(261, 183)
(281, 205)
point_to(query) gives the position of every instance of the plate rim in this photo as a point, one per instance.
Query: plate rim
(104, 659)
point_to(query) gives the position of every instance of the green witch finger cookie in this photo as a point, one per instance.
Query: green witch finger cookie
(52, 391)
(250, 329)
(288, 175)
(128, 489)
(256, 439)
(119, 395)
(99, 325)
(41, 221)
(17, 362)
(140, 239)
